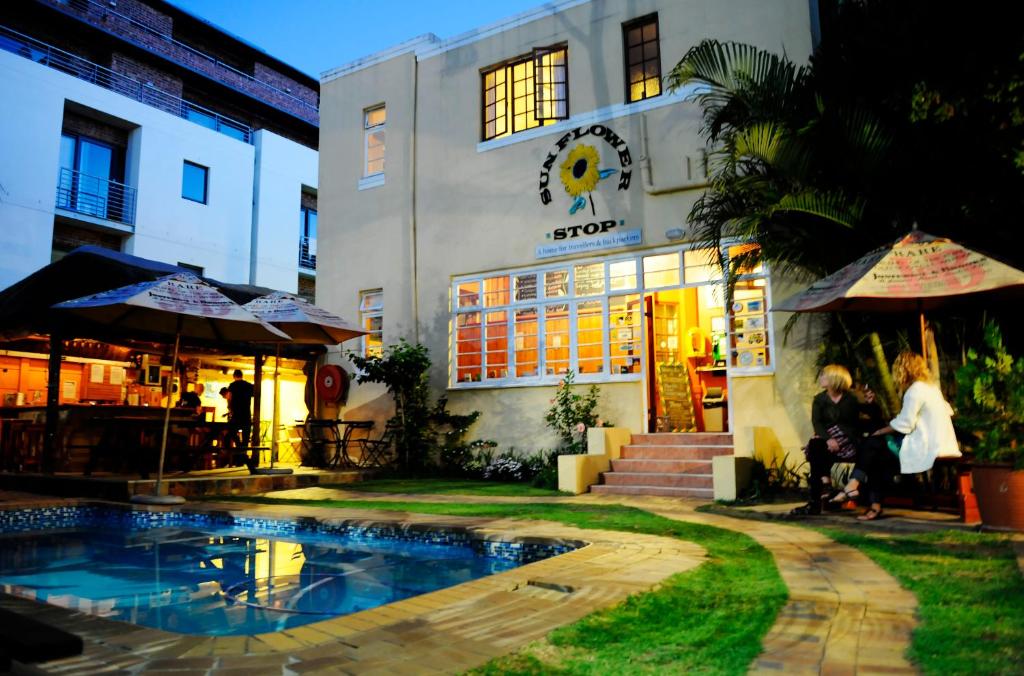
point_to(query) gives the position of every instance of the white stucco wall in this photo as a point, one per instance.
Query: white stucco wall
(216, 236)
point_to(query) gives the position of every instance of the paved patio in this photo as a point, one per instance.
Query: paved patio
(845, 615)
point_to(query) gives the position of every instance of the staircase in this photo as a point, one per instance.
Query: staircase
(669, 465)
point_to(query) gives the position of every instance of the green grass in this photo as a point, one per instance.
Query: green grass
(448, 487)
(708, 620)
(970, 597)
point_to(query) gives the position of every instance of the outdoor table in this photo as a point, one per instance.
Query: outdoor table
(341, 455)
(320, 433)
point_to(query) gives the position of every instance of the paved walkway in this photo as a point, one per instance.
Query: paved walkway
(845, 615)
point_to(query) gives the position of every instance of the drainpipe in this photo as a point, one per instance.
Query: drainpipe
(412, 212)
(646, 177)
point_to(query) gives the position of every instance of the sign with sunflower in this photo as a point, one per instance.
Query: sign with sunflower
(581, 172)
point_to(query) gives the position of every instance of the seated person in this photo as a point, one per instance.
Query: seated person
(835, 416)
(910, 443)
(193, 400)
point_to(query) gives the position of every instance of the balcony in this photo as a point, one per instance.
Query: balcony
(76, 66)
(96, 197)
(307, 253)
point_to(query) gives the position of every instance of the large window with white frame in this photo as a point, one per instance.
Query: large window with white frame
(371, 319)
(530, 326)
(374, 136)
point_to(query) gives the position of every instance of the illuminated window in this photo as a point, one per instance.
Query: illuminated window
(467, 347)
(701, 265)
(624, 333)
(556, 339)
(661, 271)
(374, 135)
(643, 58)
(527, 92)
(496, 345)
(589, 279)
(590, 337)
(371, 318)
(622, 275)
(526, 355)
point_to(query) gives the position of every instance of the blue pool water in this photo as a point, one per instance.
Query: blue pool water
(216, 579)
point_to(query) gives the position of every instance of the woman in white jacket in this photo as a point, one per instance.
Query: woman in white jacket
(922, 432)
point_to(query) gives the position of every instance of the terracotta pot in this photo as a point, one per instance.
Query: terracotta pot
(1000, 493)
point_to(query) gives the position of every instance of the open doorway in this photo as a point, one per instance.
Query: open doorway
(686, 360)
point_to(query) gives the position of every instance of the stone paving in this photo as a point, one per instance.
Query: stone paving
(845, 615)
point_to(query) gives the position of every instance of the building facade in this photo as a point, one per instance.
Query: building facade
(136, 126)
(518, 199)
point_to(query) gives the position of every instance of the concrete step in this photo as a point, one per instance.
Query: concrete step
(666, 452)
(662, 466)
(683, 439)
(644, 479)
(663, 491)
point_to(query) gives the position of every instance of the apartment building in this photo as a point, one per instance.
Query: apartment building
(518, 196)
(136, 126)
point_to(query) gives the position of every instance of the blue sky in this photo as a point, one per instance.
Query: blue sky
(317, 35)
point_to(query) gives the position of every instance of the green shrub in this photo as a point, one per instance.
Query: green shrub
(571, 414)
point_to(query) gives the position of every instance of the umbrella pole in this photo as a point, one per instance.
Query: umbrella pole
(276, 418)
(157, 498)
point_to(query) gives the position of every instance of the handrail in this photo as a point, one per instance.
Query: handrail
(307, 252)
(95, 196)
(83, 69)
(107, 9)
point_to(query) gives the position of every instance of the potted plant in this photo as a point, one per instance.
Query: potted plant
(990, 410)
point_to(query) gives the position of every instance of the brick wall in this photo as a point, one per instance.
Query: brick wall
(307, 288)
(125, 65)
(272, 77)
(68, 237)
(101, 131)
(143, 13)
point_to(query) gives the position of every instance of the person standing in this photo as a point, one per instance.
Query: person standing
(240, 393)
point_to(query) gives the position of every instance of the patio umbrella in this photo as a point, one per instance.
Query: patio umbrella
(916, 273)
(180, 304)
(305, 323)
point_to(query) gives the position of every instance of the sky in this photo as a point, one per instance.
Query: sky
(317, 35)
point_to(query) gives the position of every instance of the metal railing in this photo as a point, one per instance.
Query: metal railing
(94, 196)
(307, 253)
(100, 11)
(48, 55)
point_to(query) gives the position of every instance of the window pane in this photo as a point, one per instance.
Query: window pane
(556, 339)
(590, 336)
(376, 117)
(699, 265)
(556, 283)
(624, 333)
(372, 300)
(526, 353)
(495, 291)
(589, 279)
(496, 348)
(660, 271)
(375, 167)
(467, 347)
(650, 31)
(526, 287)
(622, 275)
(746, 250)
(193, 182)
(469, 294)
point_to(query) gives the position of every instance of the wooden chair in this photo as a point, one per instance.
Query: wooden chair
(379, 452)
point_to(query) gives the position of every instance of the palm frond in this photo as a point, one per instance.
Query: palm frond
(834, 206)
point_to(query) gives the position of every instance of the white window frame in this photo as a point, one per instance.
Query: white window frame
(370, 312)
(368, 130)
(541, 301)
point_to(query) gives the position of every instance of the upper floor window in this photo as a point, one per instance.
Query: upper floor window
(643, 58)
(371, 317)
(307, 238)
(194, 182)
(374, 133)
(527, 92)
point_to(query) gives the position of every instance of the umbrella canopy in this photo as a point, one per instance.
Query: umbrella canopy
(303, 321)
(178, 304)
(918, 272)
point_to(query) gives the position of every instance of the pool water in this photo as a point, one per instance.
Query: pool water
(222, 580)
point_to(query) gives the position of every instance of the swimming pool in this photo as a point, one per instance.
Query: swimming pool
(221, 575)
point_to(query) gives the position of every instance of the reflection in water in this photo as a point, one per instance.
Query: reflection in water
(222, 581)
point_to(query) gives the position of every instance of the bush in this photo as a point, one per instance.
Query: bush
(571, 414)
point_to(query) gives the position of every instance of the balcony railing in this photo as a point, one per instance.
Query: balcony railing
(307, 253)
(48, 55)
(97, 197)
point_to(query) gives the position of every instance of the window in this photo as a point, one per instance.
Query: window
(307, 238)
(643, 58)
(527, 92)
(89, 179)
(531, 326)
(194, 181)
(373, 140)
(371, 319)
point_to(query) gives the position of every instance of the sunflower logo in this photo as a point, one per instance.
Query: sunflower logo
(580, 175)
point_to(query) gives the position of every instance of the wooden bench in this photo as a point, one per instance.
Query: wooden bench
(947, 484)
(27, 640)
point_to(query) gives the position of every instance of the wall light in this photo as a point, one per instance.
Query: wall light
(674, 233)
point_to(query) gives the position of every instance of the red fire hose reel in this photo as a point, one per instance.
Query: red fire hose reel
(332, 384)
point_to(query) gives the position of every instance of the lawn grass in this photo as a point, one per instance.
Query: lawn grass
(708, 620)
(970, 596)
(449, 487)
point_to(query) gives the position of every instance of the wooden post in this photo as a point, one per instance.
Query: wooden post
(257, 384)
(49, 459)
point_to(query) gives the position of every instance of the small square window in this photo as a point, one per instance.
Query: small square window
(194, 182)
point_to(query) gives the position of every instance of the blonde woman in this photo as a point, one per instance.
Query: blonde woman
(922, 432)
(835, 417)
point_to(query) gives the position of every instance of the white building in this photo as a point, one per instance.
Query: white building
(139, 127)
